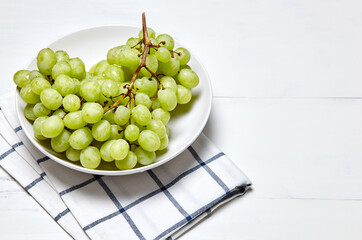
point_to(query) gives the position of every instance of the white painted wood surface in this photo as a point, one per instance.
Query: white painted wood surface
(287, 106)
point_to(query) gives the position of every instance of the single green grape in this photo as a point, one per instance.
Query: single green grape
(116, 132)
(60, 113)
(151, 33)
(46, 59)
(144, 99)
(61, 68)
(39, 84)
(122, 114)
(101, 130)
(37, 127)
(77, 68)
(184, 55)
(110, 88)
(51, 98)
(149, 140)
(52, 127)
(90, 157)
(169, 82)
(119, 149)
(28, 95)
(61, 56)
(157, 127)
(92, 112)
(21, 78)
(72, 154)
(146, 85)
(65, 85)
(129, 57)
(163, 54)
(105, 151)
(115, 73)
(183, 94)
(71, 103)
(151, 63)
(166, 41)
(90, 91)
(101, 67)
(36, 74)
(28, 112)
(60, 143)
(113, 55)
(132, 132)
(40, 110)
(141, 115)
(171, 67)
(188, 78)
(81, 138)
(74, 120)
(132, 42)
(128, 163)
(167, 98)
(164, 143)
(162, 115)
(144, 157)
(109, 116)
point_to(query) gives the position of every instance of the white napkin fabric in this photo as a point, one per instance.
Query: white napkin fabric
(157, 204)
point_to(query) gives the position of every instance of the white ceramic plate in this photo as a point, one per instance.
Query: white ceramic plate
(91, 45)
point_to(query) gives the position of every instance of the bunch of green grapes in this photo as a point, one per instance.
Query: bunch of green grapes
(118, 110)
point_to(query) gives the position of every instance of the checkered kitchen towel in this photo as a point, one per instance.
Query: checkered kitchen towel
(157, 204)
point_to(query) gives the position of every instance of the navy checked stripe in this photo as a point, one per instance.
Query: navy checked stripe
(17, 129)
(5, 154)
(33, 183)
(239, 190)
(120, 208)
(207, 168)
(42, 159)
(17, 145)
(75, 187)
(61, 214)
(169, 196)
(184, 174)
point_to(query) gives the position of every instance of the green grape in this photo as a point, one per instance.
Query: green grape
(101, 130)
(21, 78)
(61, 68)
(113, 54)
(149, 140)
(78, 68)
(128, 163)
(166, 41)
(170, 68)
(39, 84)
(37, 127)
(151, 33)
(163, 54)
(157, 127)
(154, 43)
(76, 85)
(114, 73)
(81, 138)
(184, 55)
(132, 132)
(144, 157)
(169, 82)
(36, 74)
(188, 78)
(71, 103)
(52, 127)
(129, 57)
(151, 63)
(90, 91)
(119, 149)
(61, 142)
(74, 120)
(61, 56)
(161, 114)
(132, 42)
(122, 114)
(28, 95)
(40, 110)
(92, 112)
(164, 143)
(144, 99)
(60, 113)
(72, 154)
(185, 67)
(167, 98)
(90, 157)
(183, 94)
(146, 85)
(141, 115)
(156, 104)
(46, 59)
(101, 67)
(51, 98)
(116, 132)
(65, 85)
(105, 151)
(110, 88)
(28, 112)
(109, 116)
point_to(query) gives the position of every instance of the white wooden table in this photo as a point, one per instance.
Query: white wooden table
(287, 108)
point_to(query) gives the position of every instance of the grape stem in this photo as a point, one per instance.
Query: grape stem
(146, 41)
